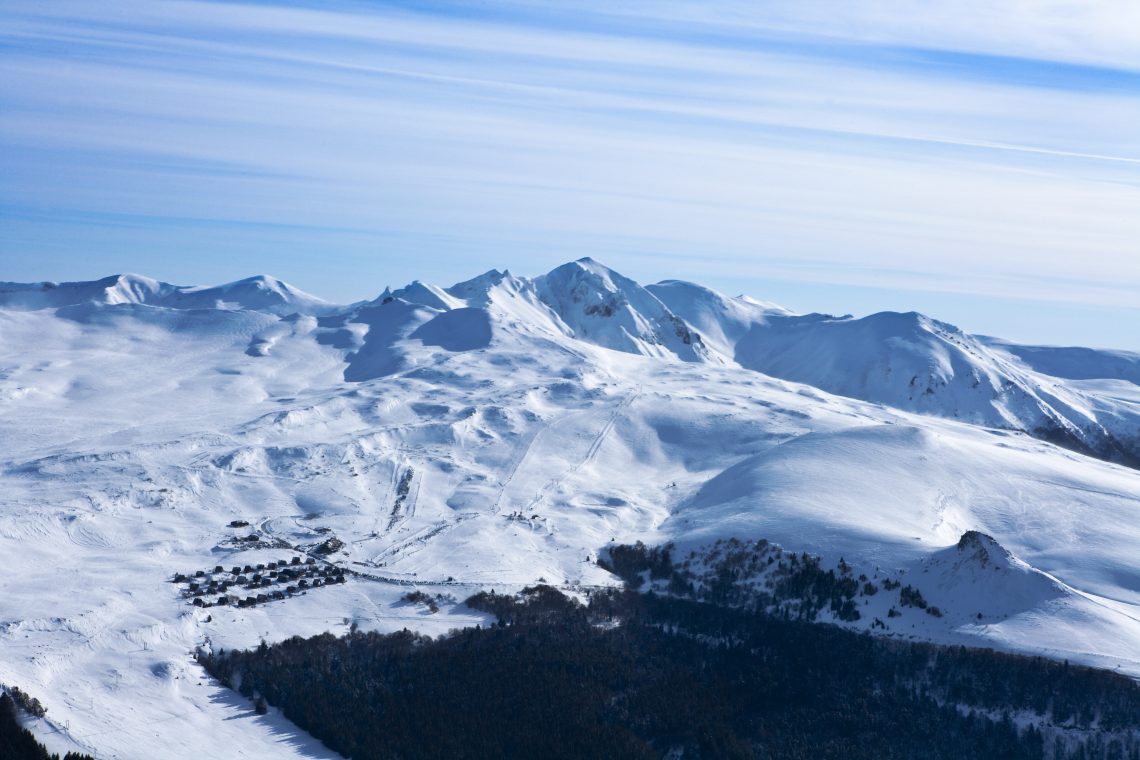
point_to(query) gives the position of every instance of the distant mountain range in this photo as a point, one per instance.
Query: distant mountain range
(908, 361)
(506, 431)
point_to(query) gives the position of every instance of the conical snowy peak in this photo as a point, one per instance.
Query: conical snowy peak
(600, 306)
(512, 303)
(983, 550)
(983, 580)
(425, 295)
(479, 288)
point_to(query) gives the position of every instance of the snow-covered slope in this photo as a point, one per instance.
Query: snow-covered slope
(721, 321)
(1077, 397)
(601, 306)
(260, 293)
(1073, 362)
(912, 362)
(490, 435)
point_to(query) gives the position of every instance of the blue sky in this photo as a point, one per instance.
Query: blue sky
(977, 161)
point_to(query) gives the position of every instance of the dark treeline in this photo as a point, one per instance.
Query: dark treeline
(18, 743)
(638, 675)
(795, 586)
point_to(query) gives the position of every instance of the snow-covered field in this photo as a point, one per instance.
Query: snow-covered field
(504, 431)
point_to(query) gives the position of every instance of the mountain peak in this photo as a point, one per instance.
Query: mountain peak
(132, 288)
(478, 286)
(432, 296)
(604, 307)
(264, 281)
(257, 293)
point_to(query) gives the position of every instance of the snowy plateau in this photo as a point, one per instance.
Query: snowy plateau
(503, 431)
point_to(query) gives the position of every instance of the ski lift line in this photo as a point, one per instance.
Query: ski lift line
(591, 452)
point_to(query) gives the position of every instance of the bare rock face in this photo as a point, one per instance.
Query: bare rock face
(981, 548)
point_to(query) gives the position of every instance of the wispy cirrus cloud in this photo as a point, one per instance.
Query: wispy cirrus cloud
(941, 146)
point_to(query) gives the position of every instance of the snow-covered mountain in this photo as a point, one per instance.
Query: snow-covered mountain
(910, 361)
(601, 306)
(907, 361)
(261, 293)
(506, 430)
(721, 321)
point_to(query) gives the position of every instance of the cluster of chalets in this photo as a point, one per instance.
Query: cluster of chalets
(269, 582)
